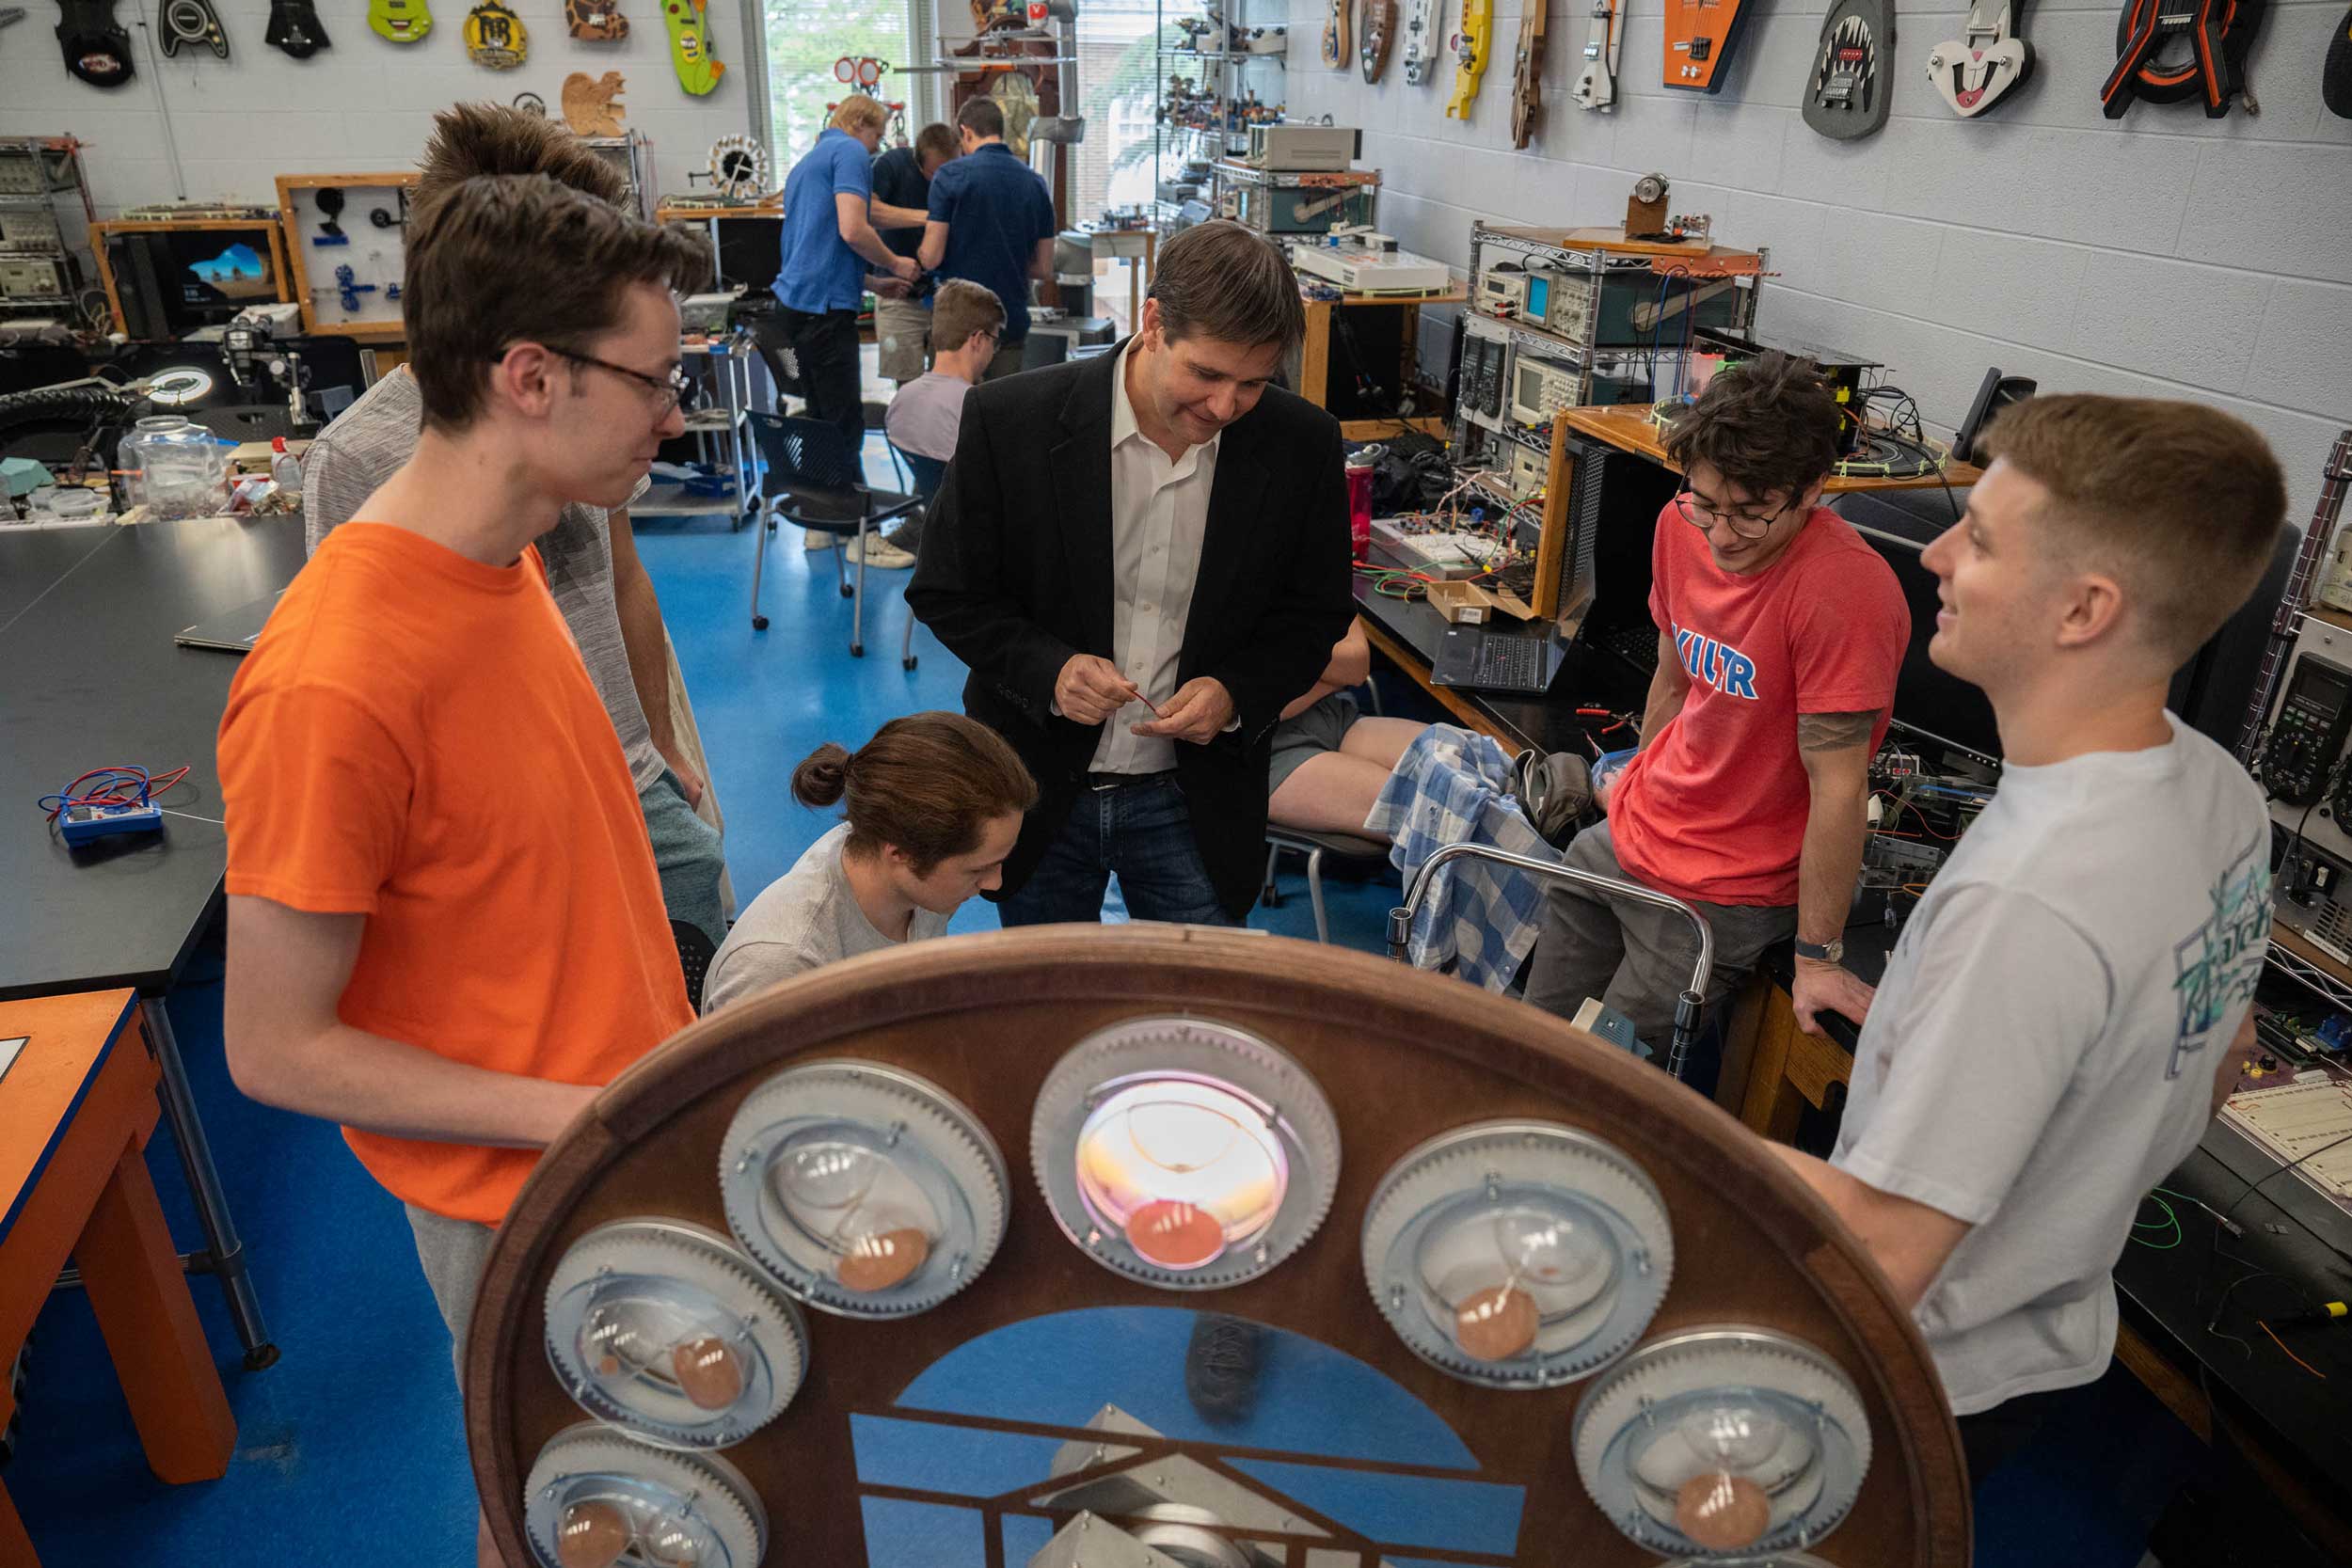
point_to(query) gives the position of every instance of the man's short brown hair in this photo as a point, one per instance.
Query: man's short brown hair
(519, 258)
(2181, 504)
(936, 141)
(983, 116)
(857, 113)
(470, 140)
(1218, 279)
(960, 308)
(1769, 426)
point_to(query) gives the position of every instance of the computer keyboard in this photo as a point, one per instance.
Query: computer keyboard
(1636, 644)
(1511, 661)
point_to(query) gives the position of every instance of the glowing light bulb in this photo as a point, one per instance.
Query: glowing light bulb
(1174, 1234)
(1721, 1511)
(1496, 1324)
(591, 1534)
(1181, 1137)
(1186, 1171)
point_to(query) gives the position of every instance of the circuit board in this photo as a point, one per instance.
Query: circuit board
(2306, 1120)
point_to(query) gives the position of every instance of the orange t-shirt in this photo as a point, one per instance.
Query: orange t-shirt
(415, 740)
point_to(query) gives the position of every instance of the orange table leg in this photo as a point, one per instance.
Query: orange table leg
(132, 1273)
(16, 1547)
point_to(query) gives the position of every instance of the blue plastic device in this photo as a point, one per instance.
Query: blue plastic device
(80, 824)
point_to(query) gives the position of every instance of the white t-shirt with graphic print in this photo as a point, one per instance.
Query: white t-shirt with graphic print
(2043, 1048)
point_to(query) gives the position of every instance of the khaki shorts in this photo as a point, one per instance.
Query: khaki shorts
(901, 330)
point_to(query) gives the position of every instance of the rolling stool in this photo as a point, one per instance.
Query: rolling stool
(1314, 846)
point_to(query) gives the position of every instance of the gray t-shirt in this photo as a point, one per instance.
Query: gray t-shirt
(806, 918)
(925, 415)
(367, 443)
(2042, 1051)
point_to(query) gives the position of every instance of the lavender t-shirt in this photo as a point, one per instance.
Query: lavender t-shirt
(926, 414)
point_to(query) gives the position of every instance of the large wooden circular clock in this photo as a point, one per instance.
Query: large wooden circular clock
(1162, 1247)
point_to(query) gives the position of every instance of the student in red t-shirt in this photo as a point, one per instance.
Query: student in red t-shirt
(1779, 636)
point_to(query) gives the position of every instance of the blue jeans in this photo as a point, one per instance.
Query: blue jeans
(1143, 832)
(927, 472)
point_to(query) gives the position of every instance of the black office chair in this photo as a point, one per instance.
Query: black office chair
(694, 952)
(1315, 846)
(813, 480)
(877, 414)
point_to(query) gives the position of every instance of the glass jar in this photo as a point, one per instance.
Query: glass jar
(177, 470)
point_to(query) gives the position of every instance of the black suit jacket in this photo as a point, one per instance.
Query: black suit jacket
(1014, 577)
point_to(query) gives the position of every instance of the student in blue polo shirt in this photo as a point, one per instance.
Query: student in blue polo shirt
(830, 256)
(992, 223)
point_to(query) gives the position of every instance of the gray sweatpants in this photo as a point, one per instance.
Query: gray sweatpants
(454, 1253)
(1637, 958)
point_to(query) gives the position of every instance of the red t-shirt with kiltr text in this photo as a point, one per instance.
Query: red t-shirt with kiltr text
(1714, 808)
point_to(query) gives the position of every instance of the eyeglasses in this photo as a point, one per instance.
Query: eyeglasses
(1704, 517)
(667, 393)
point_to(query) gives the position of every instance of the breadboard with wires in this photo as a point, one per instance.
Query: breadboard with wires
(1449, 552)
(2300, 1121)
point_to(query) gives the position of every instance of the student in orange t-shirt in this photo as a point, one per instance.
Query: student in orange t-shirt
(1780, 633)
(445, 928)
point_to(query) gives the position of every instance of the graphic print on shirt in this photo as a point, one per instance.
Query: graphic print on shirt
(1718, 664)
(2216, 965)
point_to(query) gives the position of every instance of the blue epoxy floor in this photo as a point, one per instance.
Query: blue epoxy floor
(349, 1450)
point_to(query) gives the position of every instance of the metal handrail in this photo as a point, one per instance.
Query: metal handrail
(1687, 1005)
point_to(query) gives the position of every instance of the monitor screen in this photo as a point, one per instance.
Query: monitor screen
(750, 251)
(191, 278)
(1928, 701)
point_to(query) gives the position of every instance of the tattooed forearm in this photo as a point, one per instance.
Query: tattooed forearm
(1834, 732)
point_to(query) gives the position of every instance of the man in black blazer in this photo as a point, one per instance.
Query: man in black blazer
(1142, 557)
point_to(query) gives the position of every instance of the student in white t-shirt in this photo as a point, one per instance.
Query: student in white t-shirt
(966, 322)
(935, 802)
(2064, 1011)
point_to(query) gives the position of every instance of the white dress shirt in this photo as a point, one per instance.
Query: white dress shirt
(1159, 514)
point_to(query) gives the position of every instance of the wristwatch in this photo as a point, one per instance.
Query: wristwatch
(1832, 952)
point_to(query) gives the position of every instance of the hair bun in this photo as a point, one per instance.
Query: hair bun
(822, 776)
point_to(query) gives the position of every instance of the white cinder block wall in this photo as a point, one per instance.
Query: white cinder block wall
(2167, 255)
(359, 106)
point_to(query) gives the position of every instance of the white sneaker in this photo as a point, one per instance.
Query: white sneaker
(811, 540)
(881, 554)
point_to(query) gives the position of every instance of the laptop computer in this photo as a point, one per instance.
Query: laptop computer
(233, 632)
(1483, 660)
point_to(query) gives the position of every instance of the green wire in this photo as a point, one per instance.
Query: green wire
(2169, 1221)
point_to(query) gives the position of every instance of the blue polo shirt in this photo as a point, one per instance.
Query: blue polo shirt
(820, 272)
(996, 208)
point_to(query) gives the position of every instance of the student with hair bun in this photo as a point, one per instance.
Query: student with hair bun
(935, 804)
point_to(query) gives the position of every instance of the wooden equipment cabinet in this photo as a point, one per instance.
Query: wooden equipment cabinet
(380, 321)
(277, 251)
